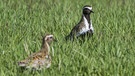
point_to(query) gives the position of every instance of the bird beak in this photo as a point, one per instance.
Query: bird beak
(92, 11)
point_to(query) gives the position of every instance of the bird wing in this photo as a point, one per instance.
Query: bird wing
(78, 27)
(36, 56)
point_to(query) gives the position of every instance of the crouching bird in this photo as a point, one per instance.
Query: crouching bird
(84, 27)
(41, 59)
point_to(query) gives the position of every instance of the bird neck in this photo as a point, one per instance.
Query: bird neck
(45, 47)
(87, 16)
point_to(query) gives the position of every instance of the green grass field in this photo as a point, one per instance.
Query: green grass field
(110, 52)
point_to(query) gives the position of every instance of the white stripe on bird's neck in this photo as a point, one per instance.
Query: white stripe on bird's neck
(91, 27)
(85, 28)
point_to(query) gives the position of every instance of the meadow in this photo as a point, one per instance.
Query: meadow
(109, 52)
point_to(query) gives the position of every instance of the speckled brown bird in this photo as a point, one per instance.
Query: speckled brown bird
(84, 27)
(41, 59)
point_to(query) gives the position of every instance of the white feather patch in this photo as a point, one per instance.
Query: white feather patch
(90, 8)
(91, 27)
(84, 29)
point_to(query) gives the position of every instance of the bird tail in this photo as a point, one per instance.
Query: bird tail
(69, 37)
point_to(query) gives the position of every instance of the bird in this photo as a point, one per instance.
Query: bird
(84, 27)
(40, 59)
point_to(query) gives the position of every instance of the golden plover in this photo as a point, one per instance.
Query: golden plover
(39, 59)
(84, 27)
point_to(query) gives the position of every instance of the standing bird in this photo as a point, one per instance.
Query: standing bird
(39, 59)
(84, 27)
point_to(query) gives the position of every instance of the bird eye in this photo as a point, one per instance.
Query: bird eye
(51, 37)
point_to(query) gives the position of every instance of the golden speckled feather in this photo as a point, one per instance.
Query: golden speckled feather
(39, 59)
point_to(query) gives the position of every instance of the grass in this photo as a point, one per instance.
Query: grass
(110, 52)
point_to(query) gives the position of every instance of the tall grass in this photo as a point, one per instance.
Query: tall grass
(110, 52)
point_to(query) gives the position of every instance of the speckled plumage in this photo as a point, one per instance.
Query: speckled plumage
(41, 59)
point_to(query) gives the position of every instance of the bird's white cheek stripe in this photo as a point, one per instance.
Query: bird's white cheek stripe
(90, 8)
(48, 36)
